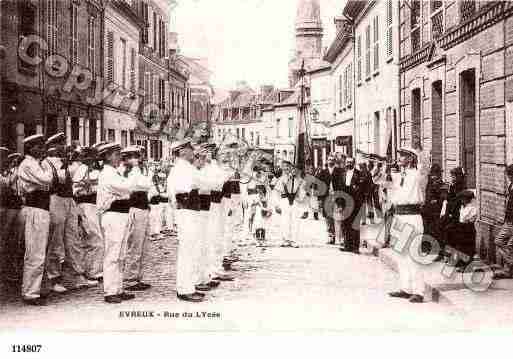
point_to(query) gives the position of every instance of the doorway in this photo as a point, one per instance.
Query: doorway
(436, 123)
(468, 125)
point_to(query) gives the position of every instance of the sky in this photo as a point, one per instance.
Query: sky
(249, 40)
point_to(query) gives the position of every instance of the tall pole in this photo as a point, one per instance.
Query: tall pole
(303, 151)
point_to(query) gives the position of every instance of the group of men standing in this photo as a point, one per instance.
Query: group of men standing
(82, 214)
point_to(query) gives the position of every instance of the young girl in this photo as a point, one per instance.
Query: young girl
(263, 213)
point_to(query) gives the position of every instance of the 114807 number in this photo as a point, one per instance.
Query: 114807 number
(26, 348)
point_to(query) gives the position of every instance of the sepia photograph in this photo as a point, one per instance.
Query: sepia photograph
(255, 166)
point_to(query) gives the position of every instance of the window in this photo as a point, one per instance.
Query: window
(389, 34)
(437, 19)
(162, 37)
(367, 51)
(51, 25)
(350, 85)
(111, 135)
(162, 92)
(244, 134)
(252, 138)
(132, 70)
(74, 34)
(124, 138)
(278, 128)
(467, 9)
(359, 58)
(110, 57)
(75, 129)
(92, 131)
(415, 25)
(340, 91)
(344, 98)
(155, 33)
(144, 11)
(376, 43)
(123, 62)
(258, 139)
(91, 48)
(238, 133)
(291, 126)
(132, 137)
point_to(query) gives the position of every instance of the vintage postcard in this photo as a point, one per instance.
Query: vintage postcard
(256, 166)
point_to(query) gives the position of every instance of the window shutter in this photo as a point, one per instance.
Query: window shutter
(359, 58)
(350, 85)
(110, 57)
(376, 43)
(132, 69)
(367, 51)
(389, 33)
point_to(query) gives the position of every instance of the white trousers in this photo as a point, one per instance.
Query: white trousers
(188, 250)
(65, 245)
(168, 214)
(289, 221)
(139, 229)
(205, 241)
(410, 272)
(37, 229)
(155, 218)
(95, 243)
(215, 229)
(115, 230)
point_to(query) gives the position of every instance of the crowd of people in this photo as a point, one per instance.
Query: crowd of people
(75, 217)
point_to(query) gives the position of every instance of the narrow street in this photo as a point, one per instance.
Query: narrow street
(279, 289)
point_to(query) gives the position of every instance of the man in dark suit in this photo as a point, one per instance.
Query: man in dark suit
(504, 239)
(332, 178)
(353, 183)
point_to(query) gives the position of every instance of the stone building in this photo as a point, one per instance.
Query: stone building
(153, 129)
(456, 81)
(376, 73)
(241, 114)
(342, 109)
(201, 93)
(49, 69)
(123, 30)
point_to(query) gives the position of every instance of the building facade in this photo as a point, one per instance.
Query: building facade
(50, 67)
(376, 70)
(456, 81)
(123, 30)
(341, 122)
(242, 114)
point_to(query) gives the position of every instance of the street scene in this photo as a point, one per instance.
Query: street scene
(228, 166)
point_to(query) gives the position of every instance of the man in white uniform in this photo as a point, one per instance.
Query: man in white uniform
(65, 253)
(139, 217)
(407, 192)
(113, 202)
(85, 186)
(34, 182)
(290, 191)
(182, 181)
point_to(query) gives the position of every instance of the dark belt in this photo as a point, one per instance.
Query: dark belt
(204, 202)
(227, 193)
(252, 191)
(163, 199)
(235, 187)
(90, 198)
(64, 190)
(216, 196)
(407, 209)
(189, 201)
(140, 200)
(155, 200)
(38, 199)
(120, 206)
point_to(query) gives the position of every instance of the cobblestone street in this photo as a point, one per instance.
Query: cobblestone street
(283, 289)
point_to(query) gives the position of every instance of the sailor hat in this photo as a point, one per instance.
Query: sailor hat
(34, 139)
(56, 139)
